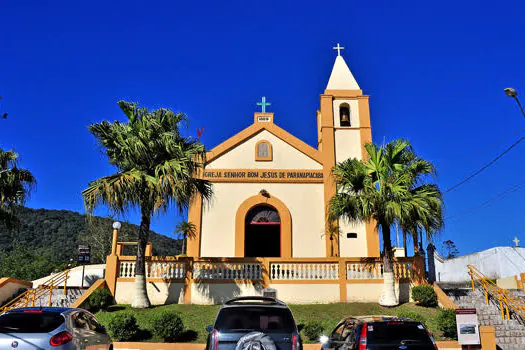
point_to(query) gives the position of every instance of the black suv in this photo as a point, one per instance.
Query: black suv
(256, 323)
(379, 333)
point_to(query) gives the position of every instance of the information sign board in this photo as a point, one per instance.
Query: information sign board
(468, 326)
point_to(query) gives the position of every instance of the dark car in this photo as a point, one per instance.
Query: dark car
(51, 328)
(257, 323)
(379, 333)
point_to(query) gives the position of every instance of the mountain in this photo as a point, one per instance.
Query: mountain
(48, 239)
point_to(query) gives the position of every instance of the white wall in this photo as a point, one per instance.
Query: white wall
(284, 156)
(304, 201)
(498, 262)
(91, 275)
(347, 144)
(9, 289)
(352, 247)
(159, 293)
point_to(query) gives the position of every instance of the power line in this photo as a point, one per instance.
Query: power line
(486, 166)
(496, 197)
(480, 150)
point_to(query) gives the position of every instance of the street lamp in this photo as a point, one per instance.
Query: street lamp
(514, 94)
(116, 226)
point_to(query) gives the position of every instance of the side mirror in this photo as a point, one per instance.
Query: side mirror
(209, 329)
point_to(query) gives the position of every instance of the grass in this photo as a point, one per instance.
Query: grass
(197, 317)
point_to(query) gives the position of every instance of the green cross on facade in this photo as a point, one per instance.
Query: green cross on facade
(263, 104)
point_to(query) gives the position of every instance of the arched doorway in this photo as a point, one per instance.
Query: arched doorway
(262, 227)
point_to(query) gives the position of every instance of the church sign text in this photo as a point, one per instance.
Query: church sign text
(259, 175)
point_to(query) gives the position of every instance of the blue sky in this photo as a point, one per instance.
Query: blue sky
(435, 73)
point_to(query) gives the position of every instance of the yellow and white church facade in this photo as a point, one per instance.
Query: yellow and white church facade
(266, 225)
(271, 190)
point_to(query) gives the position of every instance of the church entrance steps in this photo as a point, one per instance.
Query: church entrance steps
(510, 334)
(53, 292)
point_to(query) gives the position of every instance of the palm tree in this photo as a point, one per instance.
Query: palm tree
(188, 230)
(15, 186)
(388, 187)
(157, 167)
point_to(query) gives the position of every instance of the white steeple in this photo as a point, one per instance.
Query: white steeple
(341, 77)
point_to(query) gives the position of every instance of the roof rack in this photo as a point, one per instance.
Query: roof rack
(239, 300)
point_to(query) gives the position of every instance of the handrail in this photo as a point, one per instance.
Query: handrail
(30, 295)
(507, 300)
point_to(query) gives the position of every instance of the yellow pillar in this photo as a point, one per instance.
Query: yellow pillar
(487, 337)
(114, 242)
(149, 249)
(112, 266)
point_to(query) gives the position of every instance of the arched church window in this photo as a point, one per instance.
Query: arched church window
(344, 114)
(263, 151)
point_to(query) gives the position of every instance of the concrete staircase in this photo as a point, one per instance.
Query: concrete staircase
(58, 299)
(510, 334)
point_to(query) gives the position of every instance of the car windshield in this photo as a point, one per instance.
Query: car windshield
(396, 333)
(255, 318)
(30, 322)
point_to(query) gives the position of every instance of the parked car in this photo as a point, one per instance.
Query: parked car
(51, 328)
(257, 323)
(379, 333)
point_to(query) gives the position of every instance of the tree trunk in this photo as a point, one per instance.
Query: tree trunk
(405, 243)
(140, 295)
(388, 298)
(184, 239)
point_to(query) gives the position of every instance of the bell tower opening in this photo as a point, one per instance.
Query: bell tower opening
(262, 232)
(344, 114)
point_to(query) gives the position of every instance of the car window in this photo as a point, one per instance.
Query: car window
(338, 331)
(93, 324)
(80, 321)
(394, 333)
(266, 319)
(30, 322)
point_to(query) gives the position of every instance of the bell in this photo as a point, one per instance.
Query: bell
(345, 118)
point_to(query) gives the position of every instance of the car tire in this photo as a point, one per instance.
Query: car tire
(248, 341)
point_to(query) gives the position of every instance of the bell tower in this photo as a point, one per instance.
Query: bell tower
(343, 129)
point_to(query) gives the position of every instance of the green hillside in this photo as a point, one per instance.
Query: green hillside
(48, 239)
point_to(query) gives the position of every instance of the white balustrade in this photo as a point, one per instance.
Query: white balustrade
(155, 269)
(227, 271)
(358, 270)
(304, 271)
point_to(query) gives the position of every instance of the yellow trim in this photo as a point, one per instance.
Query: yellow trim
(284, 214)
(328, 140)
(255, 129)
(269, 158)
(195, 217)
(340, 94)
(6, 280)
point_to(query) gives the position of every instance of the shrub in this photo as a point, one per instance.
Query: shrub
(446, 321)
(122, 327)
(167, 326)
(413, 316)
(313, 330)
(424, 295)
(100, 299)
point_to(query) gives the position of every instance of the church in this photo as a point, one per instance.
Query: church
(266, 226)
(271, 190)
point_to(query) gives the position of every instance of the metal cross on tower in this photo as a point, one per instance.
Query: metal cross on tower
(516, 241)
(263, 104)
(338, 48)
